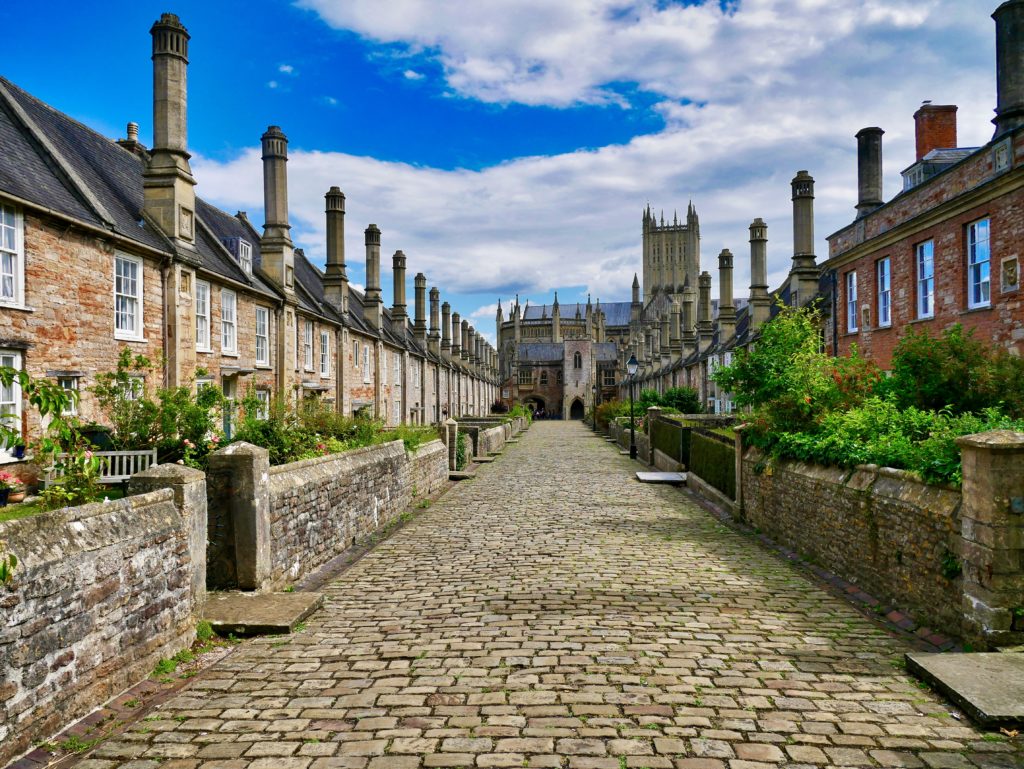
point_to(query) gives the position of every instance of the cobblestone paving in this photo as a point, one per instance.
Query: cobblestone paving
(555, 613)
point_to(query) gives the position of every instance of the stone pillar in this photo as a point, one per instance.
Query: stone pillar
(705, 326)
(189, 487)
(456, 335)
(277, 253)
(726, 305)
(419, 325)
(804, 272)
(372, 295)
(992, 531)
(451, 439)
(446, 328)
(869, 170)
(434, 334)
(243, 471)
(398, 307)
(335, 276)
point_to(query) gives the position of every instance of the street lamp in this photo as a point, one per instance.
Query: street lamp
(631, 367)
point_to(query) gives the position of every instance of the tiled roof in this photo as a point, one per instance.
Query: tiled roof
(541, 352)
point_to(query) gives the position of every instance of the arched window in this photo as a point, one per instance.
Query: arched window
(577, 360)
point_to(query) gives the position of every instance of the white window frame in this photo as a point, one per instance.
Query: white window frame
(883, 273)
(10, 398)
(383, 366)
(262, 316)
(245, 255)
(851, 301)
(398, 411)
(263, 403)
(398, 369)
(307, 345)
(12, 249)
(924, 255)
(202, 316)
(355, 354)
(325, 354)
(228, 322)
(133, 334)
(70, 384)
(979, 265)
(366, 364)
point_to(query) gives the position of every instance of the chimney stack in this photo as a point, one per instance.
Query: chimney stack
(1009, 18)
(335, 277)
(398, 311)
(372, 295)
(803, 275)
(446, 329)
(934, 128)
(464, 349)
(456, 346)
(726, 306)
(434, 335)
(169, 196)
(705, 327)
(869, 170)
(276, 249)
(419, 325)
(760, 302)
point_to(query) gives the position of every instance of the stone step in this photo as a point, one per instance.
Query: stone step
(461, 475)
(248, 614)
(988, 686)
(652, 477)
(483, 460)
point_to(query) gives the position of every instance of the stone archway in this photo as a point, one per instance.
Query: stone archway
(576, 410)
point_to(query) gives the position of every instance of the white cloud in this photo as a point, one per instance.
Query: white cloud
(779, 85)
(272, 84)
(411, 74)
(287, 69)
(330, 101)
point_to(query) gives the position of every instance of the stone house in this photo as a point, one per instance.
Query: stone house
(947, 248)
(104, 245)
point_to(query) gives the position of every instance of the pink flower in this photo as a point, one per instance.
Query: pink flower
(215, 439)
(88, 454)
(187, 443)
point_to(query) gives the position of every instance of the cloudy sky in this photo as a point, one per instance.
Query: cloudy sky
(510, 145)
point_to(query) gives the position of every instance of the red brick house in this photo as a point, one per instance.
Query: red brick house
(949, 247)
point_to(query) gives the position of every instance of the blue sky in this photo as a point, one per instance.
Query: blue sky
(509, 145)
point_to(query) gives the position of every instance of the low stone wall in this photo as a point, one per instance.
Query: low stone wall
(320, 507)
(490, 440)
(102, 592)
(881, 529)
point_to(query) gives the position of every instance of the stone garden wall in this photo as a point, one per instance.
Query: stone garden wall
(320, 507)
(102, 592)
(490, 440)
(893, 536)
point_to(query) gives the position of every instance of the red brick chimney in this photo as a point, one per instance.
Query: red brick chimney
(936, 127)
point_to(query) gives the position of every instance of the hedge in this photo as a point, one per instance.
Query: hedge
(714, 461)
(672, 439)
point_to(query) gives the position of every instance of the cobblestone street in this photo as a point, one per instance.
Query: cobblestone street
(555, 613)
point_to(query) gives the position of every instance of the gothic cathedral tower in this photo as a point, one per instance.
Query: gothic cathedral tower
(671, 253)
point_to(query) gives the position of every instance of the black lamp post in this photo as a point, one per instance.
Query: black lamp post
(631, 367)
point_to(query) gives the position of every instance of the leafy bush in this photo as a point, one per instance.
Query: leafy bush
(954, 371)
(683, 400)
(413, 436)
(460, 452)
(521, 411)
(609, 410)
(499, 407)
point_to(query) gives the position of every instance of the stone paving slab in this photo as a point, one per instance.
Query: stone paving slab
(556, 614)
(259, 613)
(656, 477)
(988, 686)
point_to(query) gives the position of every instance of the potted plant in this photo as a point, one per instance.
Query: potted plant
(17, 491)
(7, 481)
(18, 450)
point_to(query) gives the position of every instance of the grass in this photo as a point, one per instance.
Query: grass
(26, 509)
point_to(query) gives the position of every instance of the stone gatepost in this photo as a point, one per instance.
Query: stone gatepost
(189, 487)
(240, 479)
(992, 532)
(451, 439)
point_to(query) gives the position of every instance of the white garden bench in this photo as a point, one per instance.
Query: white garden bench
(115, 466)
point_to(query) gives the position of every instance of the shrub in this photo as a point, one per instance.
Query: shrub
(413, 436)
(499, 407)
(684, 400)
(460, 452)
(521, 411)
(954, 371)
(608, 411)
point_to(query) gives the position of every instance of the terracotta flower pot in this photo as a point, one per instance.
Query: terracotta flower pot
(16, 496)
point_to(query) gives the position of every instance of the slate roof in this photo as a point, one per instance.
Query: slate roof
(541, 352)
(615, 313)
(605, 351)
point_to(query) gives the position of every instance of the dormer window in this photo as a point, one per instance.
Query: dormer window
(245, 255)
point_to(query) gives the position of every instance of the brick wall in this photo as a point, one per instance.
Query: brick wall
(877, 528)
(321, 507)
(102, 593)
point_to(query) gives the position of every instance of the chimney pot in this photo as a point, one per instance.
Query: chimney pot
(934, 127)
(1009, 18)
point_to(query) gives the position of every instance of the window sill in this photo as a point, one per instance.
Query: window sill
(133, 339)
(926, 319)
(971, 310)
(263, 366)
(229, 354)
(204, 350)
(18, 307)
(851, 333)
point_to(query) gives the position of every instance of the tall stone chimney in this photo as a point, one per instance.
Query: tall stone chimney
(760, 302)
(434, 336)
(276, 249)
(676, 329)
(803, 275)
(169, 196)
(398, 309)
(1009, 19)
(464, 349)
(335, 276)
(934, 128)
(446, 329)
(374, 303)
(705, 326)
(689, 332)
(726, 305)
(869, 170)
(456, 346)
(419, 326)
